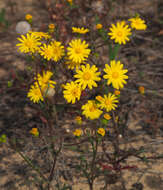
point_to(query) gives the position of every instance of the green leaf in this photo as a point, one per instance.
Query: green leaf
(113, 51)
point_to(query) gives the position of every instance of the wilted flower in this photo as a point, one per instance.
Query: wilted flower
(23, 27)
(141, 89)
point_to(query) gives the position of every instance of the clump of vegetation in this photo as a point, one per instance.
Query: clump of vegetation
(67, 77)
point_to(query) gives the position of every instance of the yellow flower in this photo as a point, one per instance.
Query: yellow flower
(28, 17)
(115, 74)
(72, 92)
(80, 30)
(78, 51)
(141, 89)
(58, 50)
(46, 51)
(70, 1)
(29, 43)
(51, 26)
(41, 87)
(99, 98)
(137, 23)
(90, 110)
(107, 116)
(108, 102)
(72, 65)
(120, 33)
(77, 132)
(78, 119)
(35, 94)
(117, 92)
(34, 132)
(40, 35)
(44, 81)
(98, 26)
(87, 76)
(101, 131)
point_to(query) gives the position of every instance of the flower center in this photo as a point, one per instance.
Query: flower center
(28, 44)
(86, 76)
(107, 102)
(56, 51)
(119, 34)
(74, 92)
(78, 50)
(37, 93)
(92, 108)
(48, 52)
(115, 75)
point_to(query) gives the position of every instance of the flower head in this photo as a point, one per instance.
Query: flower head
(87, 76)
(137, 23)
(115, 74)
(58, 50)
(44, 80)
(120, 33)
(70, 1)
(51, 26)
(41, 87)
(117, 92)
(108, 102)
(77, 132)
(78, 51)
(90, 110)
(72, 92)
(46, 51)
(35, 94)
(107, 116)
(141, 89)
(98, 26)
(101, 131)
(80, 30)
(73, 65)
(28, 17)
(40, 35)
(35, 132)
(23, 27)
(28, 43)
(78, 120)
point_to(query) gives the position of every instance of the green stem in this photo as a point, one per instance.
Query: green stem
(94, 148)
(28, 161)
(113, 51)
